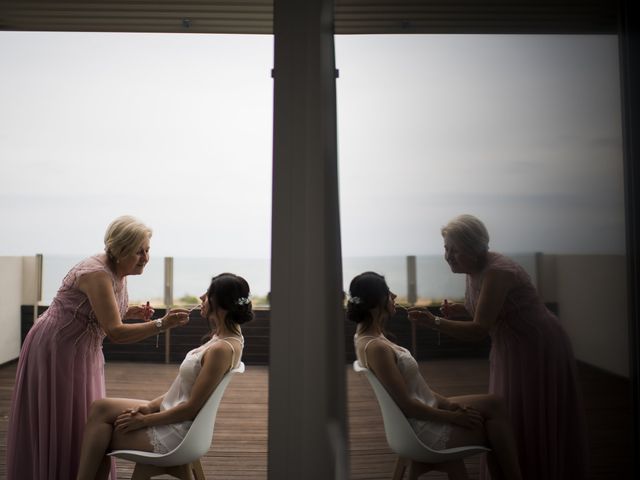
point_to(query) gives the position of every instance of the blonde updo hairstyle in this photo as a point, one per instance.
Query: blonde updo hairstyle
(124, 236)
(468, 233)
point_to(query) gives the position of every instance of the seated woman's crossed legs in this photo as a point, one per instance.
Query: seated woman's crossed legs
(100, 436)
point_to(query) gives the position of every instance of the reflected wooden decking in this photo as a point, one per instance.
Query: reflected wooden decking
(239, 449)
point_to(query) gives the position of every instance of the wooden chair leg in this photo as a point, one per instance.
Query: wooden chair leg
(196, 470)
(145, 472)
(183, 472)
(416, 469)
(401, 466)
(456, 470)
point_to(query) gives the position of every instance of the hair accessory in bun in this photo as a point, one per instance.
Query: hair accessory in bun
(355, 300)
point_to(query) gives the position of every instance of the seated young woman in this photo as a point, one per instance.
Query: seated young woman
(438, 421)
(159, 425)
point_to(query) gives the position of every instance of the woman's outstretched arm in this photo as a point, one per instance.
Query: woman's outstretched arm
(493, 293)
(99, 289)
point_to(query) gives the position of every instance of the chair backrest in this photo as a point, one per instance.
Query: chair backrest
(401, 437)
(198, 439)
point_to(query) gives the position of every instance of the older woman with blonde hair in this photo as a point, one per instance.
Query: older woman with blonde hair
(61, 366)
(532, 366)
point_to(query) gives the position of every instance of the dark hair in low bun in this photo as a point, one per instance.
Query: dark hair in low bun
(366, 291)
(231, 293)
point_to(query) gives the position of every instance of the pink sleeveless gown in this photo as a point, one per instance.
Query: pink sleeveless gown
(532, 367)
(60, 373)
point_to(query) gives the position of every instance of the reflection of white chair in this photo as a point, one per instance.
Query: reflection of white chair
(184, 460)
(411, 451)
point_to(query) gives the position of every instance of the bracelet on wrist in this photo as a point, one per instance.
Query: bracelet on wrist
(436, 322)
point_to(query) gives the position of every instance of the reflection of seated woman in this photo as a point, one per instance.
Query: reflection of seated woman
(160, 425)
(438, 421)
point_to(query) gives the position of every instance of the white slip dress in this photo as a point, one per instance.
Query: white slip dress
(432, 433)
(165, 438)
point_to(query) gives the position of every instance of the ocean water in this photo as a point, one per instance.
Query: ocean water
(192, 275)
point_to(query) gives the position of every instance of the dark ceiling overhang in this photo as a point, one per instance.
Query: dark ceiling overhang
(351, 16)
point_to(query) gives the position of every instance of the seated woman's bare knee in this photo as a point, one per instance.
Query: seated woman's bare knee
(108, 409)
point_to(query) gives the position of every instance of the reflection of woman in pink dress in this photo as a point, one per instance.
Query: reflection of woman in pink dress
(61, 366)
(531, 364)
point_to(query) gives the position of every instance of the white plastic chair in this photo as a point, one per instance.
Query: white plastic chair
(404, 441)
(183, 461)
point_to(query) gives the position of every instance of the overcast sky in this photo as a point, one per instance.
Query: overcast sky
(522, 131)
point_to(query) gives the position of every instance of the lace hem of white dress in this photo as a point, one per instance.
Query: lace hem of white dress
(442, 442)
(435, 435)
(156, 443)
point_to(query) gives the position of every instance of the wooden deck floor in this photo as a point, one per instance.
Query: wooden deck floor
(239, 449)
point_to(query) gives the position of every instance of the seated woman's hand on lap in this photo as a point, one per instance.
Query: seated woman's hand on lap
(466, 417)
(130, 421)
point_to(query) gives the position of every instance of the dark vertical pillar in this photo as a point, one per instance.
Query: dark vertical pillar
(307, 428)
(630, 76)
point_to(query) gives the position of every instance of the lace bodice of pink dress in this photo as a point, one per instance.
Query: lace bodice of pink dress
(532, 367)
(60, 373)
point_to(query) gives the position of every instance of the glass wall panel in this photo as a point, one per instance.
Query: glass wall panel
(173, 129)
(522, 131)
